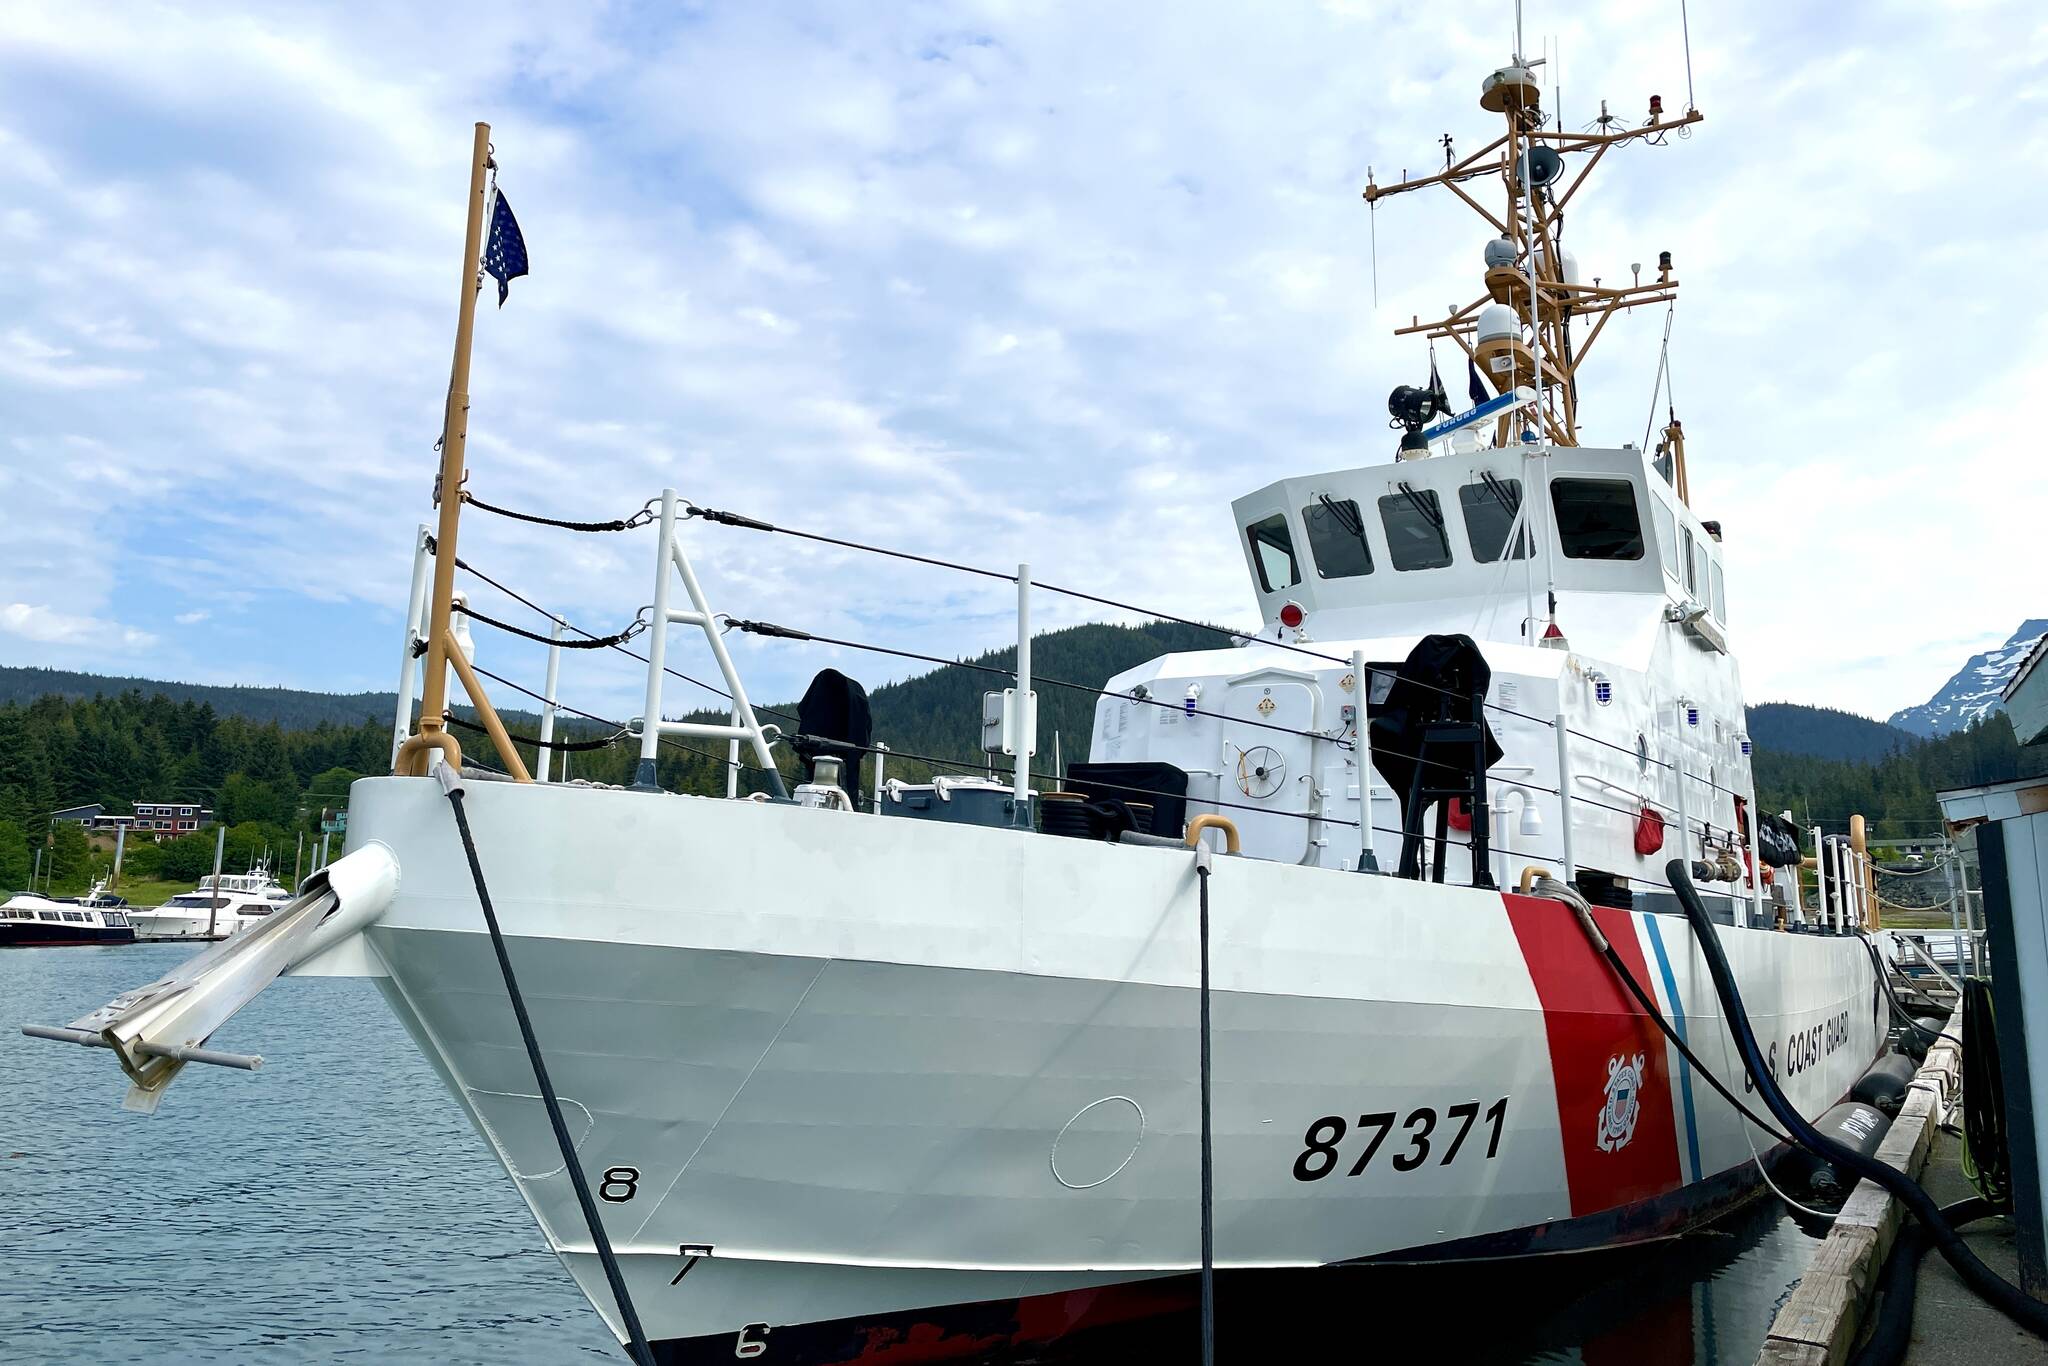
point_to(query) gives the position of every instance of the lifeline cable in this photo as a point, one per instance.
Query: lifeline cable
(590, 642)
(735, 519)
(558, 746)
(451, 783)
(638, 519)
(2001, 1294)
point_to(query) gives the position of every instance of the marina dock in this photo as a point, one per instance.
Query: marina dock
(1828, 1314)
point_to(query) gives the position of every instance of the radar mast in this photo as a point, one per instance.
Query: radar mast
(1497, 329)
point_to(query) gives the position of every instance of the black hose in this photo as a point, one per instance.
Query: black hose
(1987, 1143)
(1644, 1000)
(1899, 1012)
(637, 1337)
(1999, 1293)
(1891, 1328)
(1208, 1155)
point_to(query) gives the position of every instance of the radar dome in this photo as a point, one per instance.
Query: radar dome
(1498, 320)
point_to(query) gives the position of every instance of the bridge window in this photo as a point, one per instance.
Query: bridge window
(1667, 536)
(1415, 529)
(1336, 537)
(1596, 519)
(1490, 507)
(1720, 593)
(1273, 551)
(1692, 582)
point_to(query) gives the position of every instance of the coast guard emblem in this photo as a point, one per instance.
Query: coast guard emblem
(1624, 1103)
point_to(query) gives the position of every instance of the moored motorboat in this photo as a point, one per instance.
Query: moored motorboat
(99, 917)
(219, 906)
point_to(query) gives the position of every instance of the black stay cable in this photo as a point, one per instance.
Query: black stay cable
(638, 519)
(636, 1336)
(558, 746)
(2001, 1294)
(589, 642)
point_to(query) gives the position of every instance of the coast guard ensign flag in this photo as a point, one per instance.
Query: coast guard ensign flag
(505, 248)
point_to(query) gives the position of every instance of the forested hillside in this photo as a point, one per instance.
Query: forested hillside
(268, 780)
(99, 740)
(1826, 733)
(288, 707)
(1897, 791)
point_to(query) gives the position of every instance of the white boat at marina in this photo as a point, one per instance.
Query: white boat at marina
(928, 1082)
(219, 906)
(28, 920)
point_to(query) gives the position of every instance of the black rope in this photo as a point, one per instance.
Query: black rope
(558, 746)
(1650, 1008)
(638, 519)
(636, 1336)
(1208, 1152)
(590, 642)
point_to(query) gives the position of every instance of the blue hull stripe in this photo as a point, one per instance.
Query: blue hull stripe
(1692, 1133)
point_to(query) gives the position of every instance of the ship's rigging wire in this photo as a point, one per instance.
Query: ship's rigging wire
(638, 519)
(1663, 367)
(590, 643)
(1644, 802)
(558, 746)
(1685, 30)
(636, 1337)
(735, 519)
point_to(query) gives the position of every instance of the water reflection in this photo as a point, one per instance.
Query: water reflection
(1703, 1300)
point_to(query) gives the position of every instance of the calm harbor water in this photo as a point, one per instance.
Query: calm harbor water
(336, 1206)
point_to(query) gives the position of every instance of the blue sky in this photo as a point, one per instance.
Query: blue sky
(995, 281)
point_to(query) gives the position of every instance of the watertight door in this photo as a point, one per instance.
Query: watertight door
(1268, 764)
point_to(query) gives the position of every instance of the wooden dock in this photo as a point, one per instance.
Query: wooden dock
(1819, 1323)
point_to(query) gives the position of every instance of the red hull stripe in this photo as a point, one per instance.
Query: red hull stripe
(1607, 1059)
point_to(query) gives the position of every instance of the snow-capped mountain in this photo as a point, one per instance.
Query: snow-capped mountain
(1974, 691)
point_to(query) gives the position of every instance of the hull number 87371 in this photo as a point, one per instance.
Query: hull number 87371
(1419, 1140)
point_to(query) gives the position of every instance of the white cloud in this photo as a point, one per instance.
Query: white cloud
(993, 283)
(36, 622)
(192, 618)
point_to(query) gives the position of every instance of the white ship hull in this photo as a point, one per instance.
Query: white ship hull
(881, 1067)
